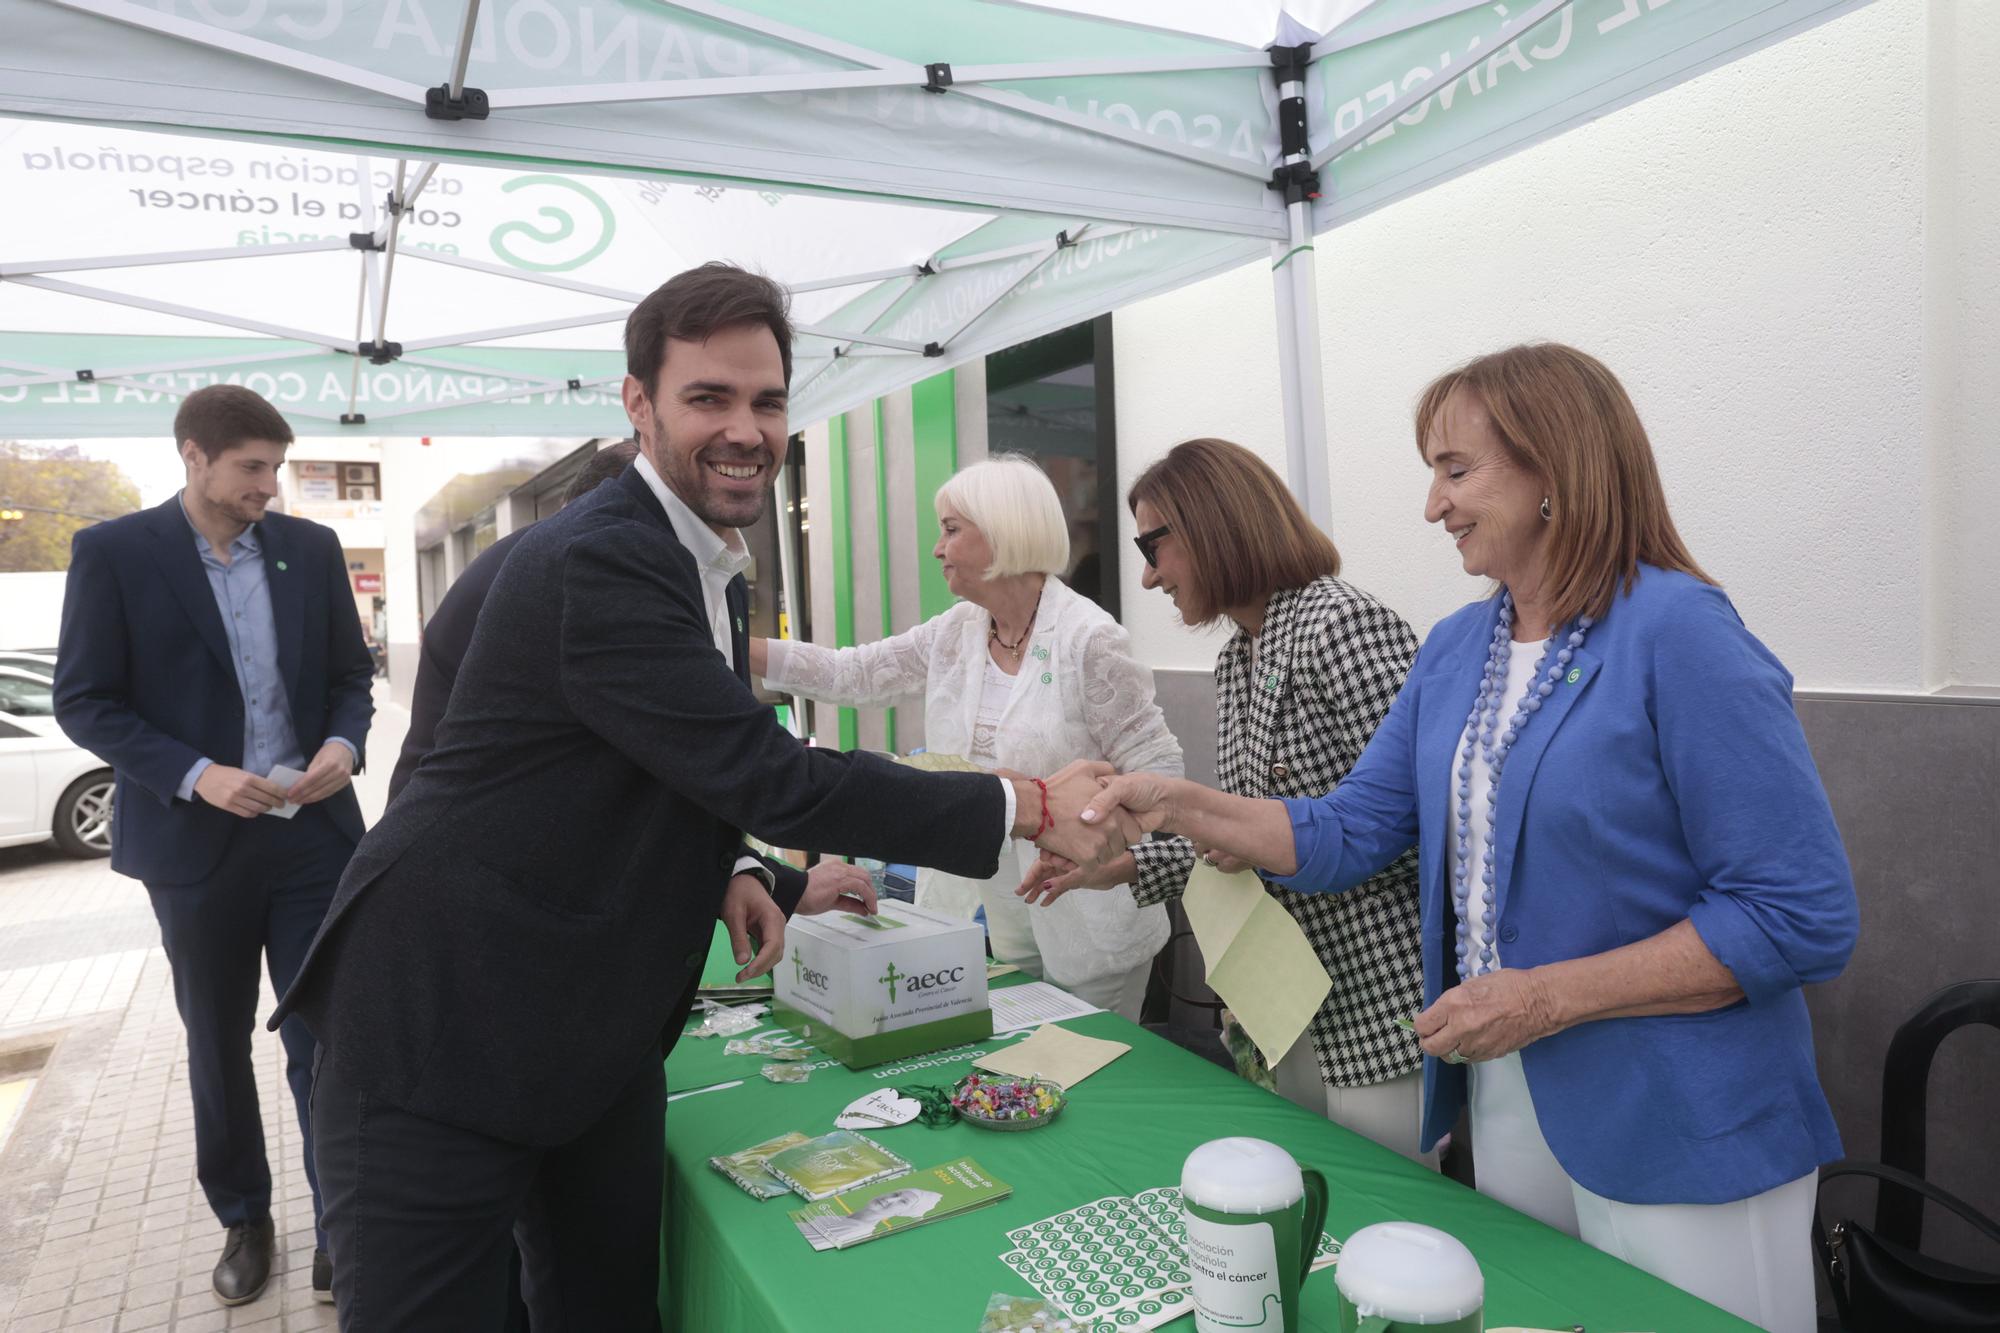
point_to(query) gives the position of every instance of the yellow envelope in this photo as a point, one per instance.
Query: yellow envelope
(1054, 1053)
(1259, 961)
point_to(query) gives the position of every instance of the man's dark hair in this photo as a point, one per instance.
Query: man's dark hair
(599, 468)
(694, 305)
(223, 416)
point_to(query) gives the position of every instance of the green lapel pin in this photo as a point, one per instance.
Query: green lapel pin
(1575, 675)
(1271, 682)
(281, 564)
(739, 624)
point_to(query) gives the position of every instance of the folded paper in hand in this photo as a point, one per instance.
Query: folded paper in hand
(285, 779)
(1259, 961)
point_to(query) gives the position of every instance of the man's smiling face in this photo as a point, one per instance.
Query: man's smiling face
(716, 426)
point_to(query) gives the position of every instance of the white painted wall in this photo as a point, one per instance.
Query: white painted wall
(1789, 262)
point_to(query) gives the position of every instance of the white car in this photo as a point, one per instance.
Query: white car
(50, 787)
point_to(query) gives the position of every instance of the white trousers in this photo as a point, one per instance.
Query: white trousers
(1752, 1257)
(1391, 1113)
(1013, 935)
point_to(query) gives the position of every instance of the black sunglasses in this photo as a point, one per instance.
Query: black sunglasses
(1149, 544)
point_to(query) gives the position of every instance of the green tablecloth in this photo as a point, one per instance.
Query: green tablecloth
(734, 1264)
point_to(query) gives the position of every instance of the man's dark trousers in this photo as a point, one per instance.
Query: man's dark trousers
(586, 1215)
(266, 897)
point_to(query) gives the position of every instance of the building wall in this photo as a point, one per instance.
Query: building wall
(1787, 261)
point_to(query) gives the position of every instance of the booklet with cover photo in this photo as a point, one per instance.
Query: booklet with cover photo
(908, 1201)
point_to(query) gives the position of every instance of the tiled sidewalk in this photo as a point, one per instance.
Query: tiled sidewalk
(102, 1225)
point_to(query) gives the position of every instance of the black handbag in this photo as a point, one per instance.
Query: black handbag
(1880, 1286)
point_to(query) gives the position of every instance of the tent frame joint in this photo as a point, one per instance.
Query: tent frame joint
(575, 384)
(364, 240)
(378, 352)
(1288, 63)
(937, 77)
(1297, 181)
(353, 418)
(933, 349)
(440, 103)
(86, 376)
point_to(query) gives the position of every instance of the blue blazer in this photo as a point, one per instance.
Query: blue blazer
(143, 677)
(1667, 778)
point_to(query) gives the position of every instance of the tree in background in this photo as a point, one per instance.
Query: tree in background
(38, 478)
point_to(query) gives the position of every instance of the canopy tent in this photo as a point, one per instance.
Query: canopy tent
(936, 179)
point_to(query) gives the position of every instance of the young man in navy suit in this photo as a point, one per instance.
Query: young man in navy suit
(207, 643)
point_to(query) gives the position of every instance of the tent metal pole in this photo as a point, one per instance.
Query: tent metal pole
(853, 279)
(396, 207)
(1103, 129)
(1288, 373)
(463, 56)
(1096, 230)
(872, 339)
(360, 309)
(1297, 300)
(517, 330)
(788, 579)
(184, 311)
(35, 368)
(270, 53)
(1011, 101)
(527, 382)
(542, 279)
(161, 367)
(1512, 30)
(800, 386)
(1050, 250)
(898, 74)
(8, 270)
(1298, 271)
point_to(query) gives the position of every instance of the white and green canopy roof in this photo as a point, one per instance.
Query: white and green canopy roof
(935, 179)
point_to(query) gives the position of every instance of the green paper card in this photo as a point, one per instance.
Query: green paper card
(896, 1205)
(843, 1160)
(748, 1170)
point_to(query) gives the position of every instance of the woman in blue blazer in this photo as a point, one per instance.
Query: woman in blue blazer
(1627, 864)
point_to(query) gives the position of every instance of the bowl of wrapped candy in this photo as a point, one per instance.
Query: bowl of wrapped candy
(998, 1101)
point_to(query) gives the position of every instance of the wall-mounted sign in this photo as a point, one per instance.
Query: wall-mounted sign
(368, 583)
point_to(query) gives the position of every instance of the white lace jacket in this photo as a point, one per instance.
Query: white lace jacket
(1081, 695)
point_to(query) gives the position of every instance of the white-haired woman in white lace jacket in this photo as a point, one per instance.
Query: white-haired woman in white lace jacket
(1024, 675)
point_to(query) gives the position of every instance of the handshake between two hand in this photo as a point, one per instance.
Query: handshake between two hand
(1094, 815)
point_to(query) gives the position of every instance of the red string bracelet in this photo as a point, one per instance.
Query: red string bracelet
(1047, 821)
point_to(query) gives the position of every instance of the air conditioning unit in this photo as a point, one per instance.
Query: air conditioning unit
(361, 492)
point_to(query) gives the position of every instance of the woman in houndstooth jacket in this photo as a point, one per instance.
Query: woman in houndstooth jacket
(1299, 689)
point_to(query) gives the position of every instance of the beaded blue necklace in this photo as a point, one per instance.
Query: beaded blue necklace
(1480, 725)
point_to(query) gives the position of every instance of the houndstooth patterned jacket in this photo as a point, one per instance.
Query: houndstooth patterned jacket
(1329, 662)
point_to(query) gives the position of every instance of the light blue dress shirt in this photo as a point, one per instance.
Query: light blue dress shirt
(243, 596)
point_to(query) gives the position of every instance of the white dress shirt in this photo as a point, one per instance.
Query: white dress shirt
(721, 559)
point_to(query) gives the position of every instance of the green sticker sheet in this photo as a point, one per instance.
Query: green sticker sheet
(1120, 1262)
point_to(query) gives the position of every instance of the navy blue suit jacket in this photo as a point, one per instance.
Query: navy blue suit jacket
(143, 677)
(524, 926)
